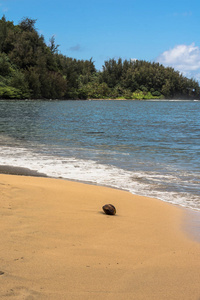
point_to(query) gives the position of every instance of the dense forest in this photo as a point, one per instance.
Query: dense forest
(29, 68)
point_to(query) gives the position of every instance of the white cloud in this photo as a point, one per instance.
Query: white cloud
(184, 58)
(133, 59)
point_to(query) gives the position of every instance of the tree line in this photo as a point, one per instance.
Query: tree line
(29, 68)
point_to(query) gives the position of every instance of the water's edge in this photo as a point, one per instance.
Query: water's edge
(11, 170)
(190, 223)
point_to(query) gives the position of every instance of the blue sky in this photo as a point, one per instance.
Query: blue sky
(163, 31)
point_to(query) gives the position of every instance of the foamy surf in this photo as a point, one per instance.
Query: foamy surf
(151, 184)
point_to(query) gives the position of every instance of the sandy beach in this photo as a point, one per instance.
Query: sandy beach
(56, 243)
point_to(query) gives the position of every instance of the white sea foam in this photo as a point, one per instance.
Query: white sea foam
(137, 182)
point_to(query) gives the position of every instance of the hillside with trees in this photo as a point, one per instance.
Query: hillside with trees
(29, 68)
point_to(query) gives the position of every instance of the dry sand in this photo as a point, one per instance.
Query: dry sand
(56, 243)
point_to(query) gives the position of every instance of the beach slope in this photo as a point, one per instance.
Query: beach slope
(56, 243)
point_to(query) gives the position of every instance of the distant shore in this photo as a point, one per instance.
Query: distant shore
(58, 243)
(102, 99)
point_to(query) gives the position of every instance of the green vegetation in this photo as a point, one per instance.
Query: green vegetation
(31, 69)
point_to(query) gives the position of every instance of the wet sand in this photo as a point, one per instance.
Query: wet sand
(56, 243)
(19, 171)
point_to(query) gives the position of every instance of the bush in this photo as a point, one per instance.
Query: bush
(156, 94)
(10, 92)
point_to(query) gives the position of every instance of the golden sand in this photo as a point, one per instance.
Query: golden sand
(56, 243)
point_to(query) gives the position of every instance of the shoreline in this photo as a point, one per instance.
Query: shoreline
(102, 99)
(11, 170)
(191, 224)
(58, 244)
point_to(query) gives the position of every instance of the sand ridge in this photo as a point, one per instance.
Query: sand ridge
(56, 243)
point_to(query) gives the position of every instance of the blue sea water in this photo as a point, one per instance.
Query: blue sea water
(149, 148)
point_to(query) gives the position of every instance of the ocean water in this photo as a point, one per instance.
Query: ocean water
(149, 148)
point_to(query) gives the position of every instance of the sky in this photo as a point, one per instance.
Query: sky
(164, 31)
